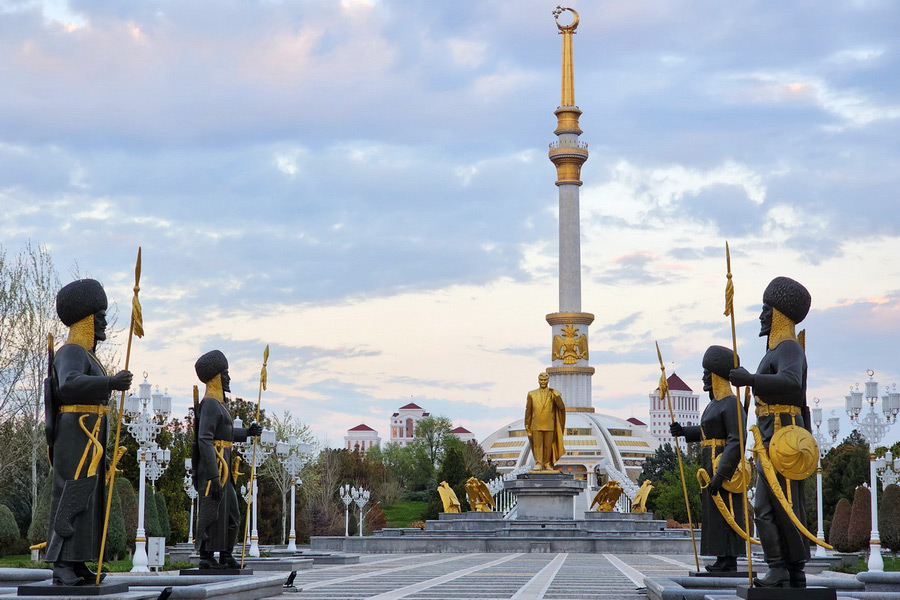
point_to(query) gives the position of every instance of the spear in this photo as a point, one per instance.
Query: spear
(729, 312)
(664, 391)
(135, 328)
(263, 378)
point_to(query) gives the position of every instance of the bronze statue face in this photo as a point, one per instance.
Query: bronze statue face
(707, 380)
(99, 325)
(543, 380)
(765, 320)
(226, 381)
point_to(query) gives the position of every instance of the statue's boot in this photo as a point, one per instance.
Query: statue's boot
(208, 561)
(89, 576)
(723, 564)
(775, 577)
(797, 575)
(227, 560)
(64, 574)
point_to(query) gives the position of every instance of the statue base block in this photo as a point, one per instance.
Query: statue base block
(808, 593)
(46, 588)
(545, 495)
(215, 572)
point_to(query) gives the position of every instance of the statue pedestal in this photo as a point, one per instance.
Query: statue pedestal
(545, 495)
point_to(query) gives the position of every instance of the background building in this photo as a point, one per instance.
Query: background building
(403, 423)
(685, 405)
(361, 437)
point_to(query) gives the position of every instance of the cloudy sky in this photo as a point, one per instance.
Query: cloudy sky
(364, 185)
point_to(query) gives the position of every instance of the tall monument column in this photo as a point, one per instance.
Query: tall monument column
(570, 372)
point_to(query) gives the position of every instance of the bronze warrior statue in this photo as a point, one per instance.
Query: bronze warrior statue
(779, 386)
(214, 434)
(720, 455)
(76, 400)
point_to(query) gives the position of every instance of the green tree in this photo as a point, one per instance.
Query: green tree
(889, 517)
(151, 518)
(40, 524)
(432, 434)
(454, 472)
(128, 499)
(837, 535)
(663, 461)
(116, 542)
(666, 500)
(10, 541)
(860, 528)
(162, 513)
(844, 468)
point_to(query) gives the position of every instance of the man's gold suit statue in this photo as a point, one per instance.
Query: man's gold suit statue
(545, 421)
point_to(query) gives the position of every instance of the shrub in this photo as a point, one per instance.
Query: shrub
(162, 513)
(128, 500)
(40, 524)
(116, 540)
(9, 531)
(860, 529)
(375, 518)
(151, 518)
(837, 535)
(889, 518)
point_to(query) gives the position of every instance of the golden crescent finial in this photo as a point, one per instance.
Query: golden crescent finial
(563, 28)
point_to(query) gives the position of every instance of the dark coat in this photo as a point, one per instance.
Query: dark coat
(219, 520)
(78, 503)
(781, 379)
(720, 421)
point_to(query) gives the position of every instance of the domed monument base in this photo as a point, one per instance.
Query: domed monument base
(545, 495)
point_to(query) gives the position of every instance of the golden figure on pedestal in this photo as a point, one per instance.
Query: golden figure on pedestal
(480, 498)
(545, 421)
(607, 496)
(639, 502)
(448, 498)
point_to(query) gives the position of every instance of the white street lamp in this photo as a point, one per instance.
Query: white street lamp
(144, 427)
(873, 428)
(263, 450)
(293, 455)
(361, 497)
(825, 445)
(347, 493)
(191, 491)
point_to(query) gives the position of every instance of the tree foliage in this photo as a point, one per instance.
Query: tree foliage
(10, 540)
(666, 500)
(889, 517)
(663, 461)
(837, 535)
(860, 528)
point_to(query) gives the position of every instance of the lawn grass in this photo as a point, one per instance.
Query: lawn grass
(891, 563)
(23, 561)
(405, 512)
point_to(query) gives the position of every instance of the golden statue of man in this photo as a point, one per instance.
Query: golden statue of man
(545, 421)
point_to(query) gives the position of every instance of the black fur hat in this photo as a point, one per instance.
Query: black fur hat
(210, 364)
(80, 299)
(789, 297)
(719, 360)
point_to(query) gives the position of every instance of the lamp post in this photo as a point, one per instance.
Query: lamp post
(263, 450)
(361, 498)
(293, 455)
(144, 427)
(825, 444)
(347, 494)
(887, 470)
(191, 491)
(873, 428)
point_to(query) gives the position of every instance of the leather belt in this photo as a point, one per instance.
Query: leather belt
(95, 409)
(713, 442)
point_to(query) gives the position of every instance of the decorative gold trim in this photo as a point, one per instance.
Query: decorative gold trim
(570, 347)
(570, 370)
(564, 318)
(94, 409)
(782, 329)
(587, 409)
(214, 389)
(81, 333)
(567, 120)
(721, 388)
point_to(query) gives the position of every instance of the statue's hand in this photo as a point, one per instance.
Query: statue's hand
(715, 484)
(741, 377)
(676, 429)
(255, 430)
(121, 381)
(215, 489)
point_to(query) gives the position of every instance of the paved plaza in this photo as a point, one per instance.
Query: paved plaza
(488, 576)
